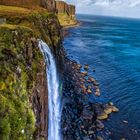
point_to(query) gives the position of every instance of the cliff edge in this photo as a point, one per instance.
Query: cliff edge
(65, 13)
(23, 87)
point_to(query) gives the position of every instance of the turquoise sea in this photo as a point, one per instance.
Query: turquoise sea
(112, 46)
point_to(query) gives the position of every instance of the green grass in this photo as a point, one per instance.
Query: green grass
(13, 27)
(65, 20)
(19, 64)
(14, 9)
(16, 114)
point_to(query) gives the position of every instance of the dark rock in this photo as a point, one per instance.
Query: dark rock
(108, 109)
(87, 115)
(99, 124)
(93, 69)
(86, 67)
(91, 79)
(99, 138)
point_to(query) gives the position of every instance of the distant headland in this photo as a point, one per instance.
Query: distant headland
(65, 12)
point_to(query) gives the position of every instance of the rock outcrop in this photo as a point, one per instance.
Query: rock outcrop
(71, 10)
(48, 4)
(61, 6)
(65, 13)
(64, 8)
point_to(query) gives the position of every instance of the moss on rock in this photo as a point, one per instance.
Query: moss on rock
(19, 58)
(21, 68)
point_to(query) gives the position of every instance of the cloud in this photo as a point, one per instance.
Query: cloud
(135, 3)
(108, 7)
(106, 3)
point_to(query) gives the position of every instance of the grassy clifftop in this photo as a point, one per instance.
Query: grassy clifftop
(44, 25)
(21, 65)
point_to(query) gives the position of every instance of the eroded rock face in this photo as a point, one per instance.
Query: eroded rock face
(48, 4)
(40, 103)
(71, 9)
(63, 7)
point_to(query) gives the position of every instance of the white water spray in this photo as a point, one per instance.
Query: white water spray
(53, 93)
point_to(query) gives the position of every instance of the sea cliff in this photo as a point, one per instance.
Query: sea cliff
(23, 87)
(66, 13)
(23, 84)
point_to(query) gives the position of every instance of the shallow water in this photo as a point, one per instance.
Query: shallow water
(112, 46)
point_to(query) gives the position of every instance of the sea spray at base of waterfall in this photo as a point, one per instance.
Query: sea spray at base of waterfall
(54, 98)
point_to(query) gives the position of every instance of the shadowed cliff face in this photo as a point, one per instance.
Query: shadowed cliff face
(48, 4)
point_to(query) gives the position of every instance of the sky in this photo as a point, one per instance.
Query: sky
(122, 8)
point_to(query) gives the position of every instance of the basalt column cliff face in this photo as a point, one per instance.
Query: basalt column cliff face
(48, 4)
(66, 13)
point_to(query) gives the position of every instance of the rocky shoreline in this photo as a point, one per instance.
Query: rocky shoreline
(82, 119)
(24, 84)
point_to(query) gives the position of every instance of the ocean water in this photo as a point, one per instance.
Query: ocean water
(112, 46)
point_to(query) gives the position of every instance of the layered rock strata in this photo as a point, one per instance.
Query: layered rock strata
(63, 7)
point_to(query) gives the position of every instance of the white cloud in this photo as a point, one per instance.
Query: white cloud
(108, 7)
(129, 3)
(135, 3)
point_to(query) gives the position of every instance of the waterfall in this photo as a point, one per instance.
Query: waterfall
(54, 104)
